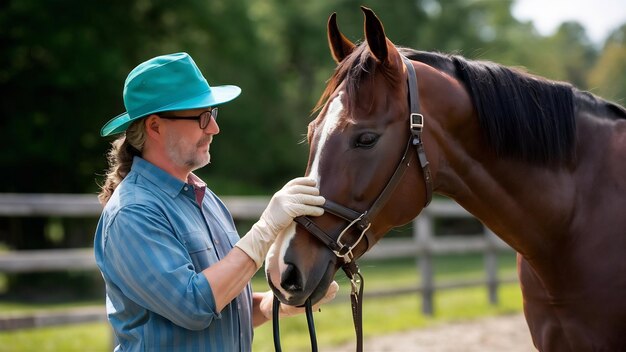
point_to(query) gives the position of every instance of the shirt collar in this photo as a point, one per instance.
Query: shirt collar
(195, 181)
(166, 182)
(199, 187)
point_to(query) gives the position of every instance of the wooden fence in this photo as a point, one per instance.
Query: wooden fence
(423, 246)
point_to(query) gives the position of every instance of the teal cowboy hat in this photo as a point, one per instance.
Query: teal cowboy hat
(166, 83)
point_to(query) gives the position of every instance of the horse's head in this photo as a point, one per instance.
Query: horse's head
(357, 143)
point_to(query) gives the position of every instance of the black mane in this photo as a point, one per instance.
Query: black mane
(523, 116)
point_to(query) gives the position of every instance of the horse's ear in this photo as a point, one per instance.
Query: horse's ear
(375, 35)
(340, 46)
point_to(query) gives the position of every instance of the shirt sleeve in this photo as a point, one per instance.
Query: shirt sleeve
(151, 266)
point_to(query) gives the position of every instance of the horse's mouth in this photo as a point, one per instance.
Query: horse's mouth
(314, 287)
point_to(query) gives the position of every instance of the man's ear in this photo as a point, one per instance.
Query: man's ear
(153, 125)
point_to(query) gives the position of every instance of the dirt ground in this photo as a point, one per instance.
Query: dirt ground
(507, 333)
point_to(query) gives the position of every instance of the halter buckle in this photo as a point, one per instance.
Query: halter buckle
(416, 121)
(355, 282)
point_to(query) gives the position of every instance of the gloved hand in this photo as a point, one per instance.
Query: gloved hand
(298, 197)
(267, 303)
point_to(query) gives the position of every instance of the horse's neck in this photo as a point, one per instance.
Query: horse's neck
(527, 206)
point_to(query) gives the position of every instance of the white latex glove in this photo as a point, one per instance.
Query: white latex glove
(298, 197)
(267, 303)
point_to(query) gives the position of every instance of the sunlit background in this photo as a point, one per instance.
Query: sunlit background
(62, 69)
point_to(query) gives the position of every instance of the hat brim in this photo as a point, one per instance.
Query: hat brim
(216, 96)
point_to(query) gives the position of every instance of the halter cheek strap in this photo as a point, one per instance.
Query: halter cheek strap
(416, 125)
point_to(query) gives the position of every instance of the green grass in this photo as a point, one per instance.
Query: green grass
(397, 313)
(96, 337)
(385, 315)
(333, 323)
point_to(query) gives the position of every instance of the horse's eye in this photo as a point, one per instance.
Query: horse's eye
(366, 140)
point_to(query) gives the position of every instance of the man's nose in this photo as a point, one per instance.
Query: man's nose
(212, 127)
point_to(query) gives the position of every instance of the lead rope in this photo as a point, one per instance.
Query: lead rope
(275, 327)
(309, 319)
(356, 299)
(311, 324)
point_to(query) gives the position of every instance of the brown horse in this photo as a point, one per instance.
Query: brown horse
(539, 162)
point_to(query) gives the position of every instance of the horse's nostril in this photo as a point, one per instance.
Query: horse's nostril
(291, 280)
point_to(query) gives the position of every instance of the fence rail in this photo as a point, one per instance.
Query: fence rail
(422, 246)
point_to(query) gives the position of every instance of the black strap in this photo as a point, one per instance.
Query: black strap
(312, 228)
(386, 193)
(356, 300)
(341, 211)
(276, 328)
(311, 324)
(416, 124)
(351, 215)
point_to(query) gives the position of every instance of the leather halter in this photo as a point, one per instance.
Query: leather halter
(363, 221)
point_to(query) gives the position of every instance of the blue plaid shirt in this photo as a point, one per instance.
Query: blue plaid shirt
(152, 241)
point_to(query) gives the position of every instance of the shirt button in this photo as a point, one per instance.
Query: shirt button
(186, 188)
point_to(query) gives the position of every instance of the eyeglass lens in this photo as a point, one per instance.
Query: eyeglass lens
(205, 117)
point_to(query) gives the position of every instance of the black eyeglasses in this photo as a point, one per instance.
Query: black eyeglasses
(203, 119)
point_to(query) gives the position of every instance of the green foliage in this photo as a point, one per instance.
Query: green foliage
(608, 77)
(64, 63)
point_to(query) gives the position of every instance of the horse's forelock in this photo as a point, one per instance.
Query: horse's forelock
(353, 70)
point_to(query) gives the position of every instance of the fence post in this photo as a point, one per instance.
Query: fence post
(491, 266)
(423, 234)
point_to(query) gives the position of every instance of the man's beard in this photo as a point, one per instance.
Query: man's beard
(184, 154)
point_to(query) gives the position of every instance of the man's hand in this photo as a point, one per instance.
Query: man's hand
(298, 197)
(267, 303)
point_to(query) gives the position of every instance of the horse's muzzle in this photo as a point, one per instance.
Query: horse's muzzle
(296, 285)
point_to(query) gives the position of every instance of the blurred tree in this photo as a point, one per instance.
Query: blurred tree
(572, 54)
(64, 63)
(62, 70)
(608, 76)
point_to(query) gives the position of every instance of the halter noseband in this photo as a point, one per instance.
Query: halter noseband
(362, 221)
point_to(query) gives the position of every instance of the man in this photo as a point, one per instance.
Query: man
(176, 272)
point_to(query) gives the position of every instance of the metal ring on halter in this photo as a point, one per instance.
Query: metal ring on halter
(347, 254)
